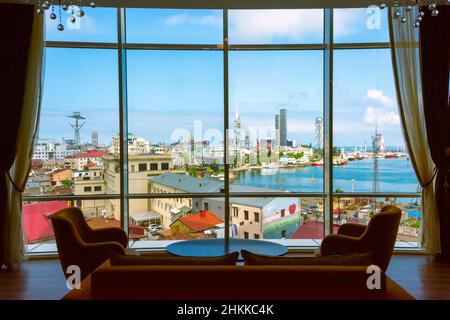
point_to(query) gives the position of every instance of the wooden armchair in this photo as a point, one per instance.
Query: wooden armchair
(79, 244)
(378, 237)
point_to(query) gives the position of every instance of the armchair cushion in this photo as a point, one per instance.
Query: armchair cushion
(335, 244)
(352, 229)
(123, 260)
(363, 259)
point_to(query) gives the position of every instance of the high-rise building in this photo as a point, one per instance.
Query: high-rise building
(277, 131)
(94, 138)
(281, 128)
(319, 133)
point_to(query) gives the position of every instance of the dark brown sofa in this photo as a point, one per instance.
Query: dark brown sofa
(233, 283)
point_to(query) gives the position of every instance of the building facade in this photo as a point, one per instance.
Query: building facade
(80, 160)
(90, 182)
(140, 169)
(50, 149)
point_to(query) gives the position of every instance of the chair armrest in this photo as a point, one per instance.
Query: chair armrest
(336, 244)
(352, 229)
(108, 235)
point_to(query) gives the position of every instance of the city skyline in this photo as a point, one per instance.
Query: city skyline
(169, 90)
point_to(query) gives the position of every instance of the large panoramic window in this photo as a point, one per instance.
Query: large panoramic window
(192, 123)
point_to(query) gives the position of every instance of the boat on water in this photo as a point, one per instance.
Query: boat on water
(220, 176)
(390, 155)
(270, 166)
(317, 163)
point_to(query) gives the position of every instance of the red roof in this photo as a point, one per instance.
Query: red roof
(37, 225)
(200, 221)
(310, 230)
(36, 162)
(89, 154)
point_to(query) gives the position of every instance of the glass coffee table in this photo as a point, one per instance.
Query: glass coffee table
(218, 247)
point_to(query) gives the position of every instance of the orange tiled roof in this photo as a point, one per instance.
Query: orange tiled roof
(200, 221)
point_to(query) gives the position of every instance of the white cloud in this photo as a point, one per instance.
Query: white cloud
(383, 113)
(184, 18)
(381, 116)
(262, 25)
(379, 96)
(346, 21)
(258, 26)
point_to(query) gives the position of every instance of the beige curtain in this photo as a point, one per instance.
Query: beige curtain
(25, 141)
(406, 63)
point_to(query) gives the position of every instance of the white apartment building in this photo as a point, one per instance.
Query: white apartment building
(136, 145)
(50, 149)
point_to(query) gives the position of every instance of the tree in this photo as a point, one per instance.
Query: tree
(192, 170)
(68, 183)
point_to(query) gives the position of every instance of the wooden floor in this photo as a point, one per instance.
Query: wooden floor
(42, 279)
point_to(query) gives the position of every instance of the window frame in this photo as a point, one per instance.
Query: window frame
(327, 47)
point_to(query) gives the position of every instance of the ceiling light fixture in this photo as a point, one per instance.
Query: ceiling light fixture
(73, 8)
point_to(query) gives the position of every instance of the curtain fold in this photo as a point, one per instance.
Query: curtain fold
(406, 63)
(435, 54)
(15, 31)
(19, 171)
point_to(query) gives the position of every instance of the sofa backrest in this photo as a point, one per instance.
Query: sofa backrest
(234, 283)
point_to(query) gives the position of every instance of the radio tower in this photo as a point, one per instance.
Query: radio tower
(76, 127)
(376, 145)
(319, 133)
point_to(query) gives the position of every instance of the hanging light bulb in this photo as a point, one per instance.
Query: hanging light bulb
(434, 13)
(61, 5)
(46, 5)
(401, 12)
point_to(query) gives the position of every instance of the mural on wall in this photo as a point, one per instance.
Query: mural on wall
(281, 218)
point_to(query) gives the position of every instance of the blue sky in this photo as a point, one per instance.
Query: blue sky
(169, 90)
